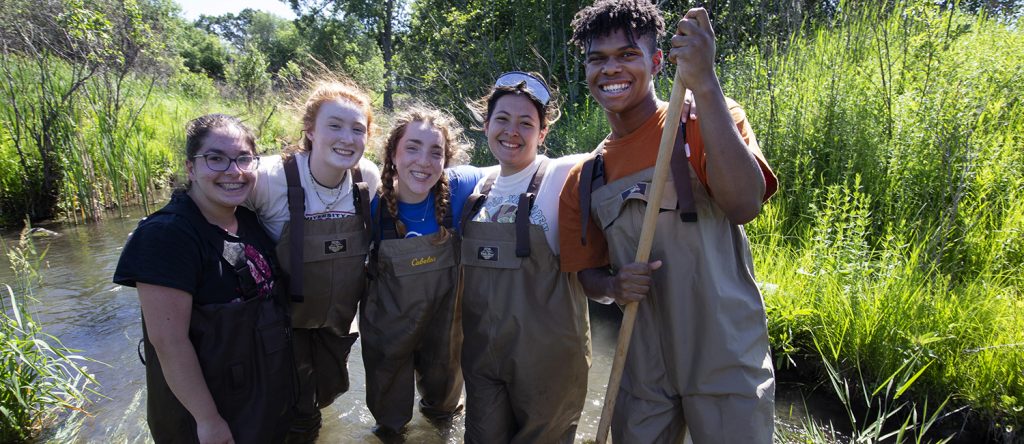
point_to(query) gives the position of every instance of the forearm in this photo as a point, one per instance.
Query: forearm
(184, 377)
(734, 175)
(597, 284)
(167, 315)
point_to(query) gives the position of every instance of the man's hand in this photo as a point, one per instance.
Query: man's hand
(633, 282)
(693, 49)
(630, 284)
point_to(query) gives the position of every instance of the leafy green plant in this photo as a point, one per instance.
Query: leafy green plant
(40, 379)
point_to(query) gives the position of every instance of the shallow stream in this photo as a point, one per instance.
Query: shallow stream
(78, 304)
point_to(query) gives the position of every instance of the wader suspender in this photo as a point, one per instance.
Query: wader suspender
(297, 216)
(526, 199)
(240, 266)
(593, 169)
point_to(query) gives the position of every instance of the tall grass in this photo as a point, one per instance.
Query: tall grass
(41, 381)
(898, 233)
(121, 139)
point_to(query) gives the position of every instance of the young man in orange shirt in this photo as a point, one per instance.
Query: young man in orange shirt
(699, 356)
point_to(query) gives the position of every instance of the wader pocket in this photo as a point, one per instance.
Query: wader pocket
(490, 253)
(608, 210)
(421, 263)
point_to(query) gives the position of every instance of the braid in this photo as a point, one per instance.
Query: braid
(388, 197)
(442, 205)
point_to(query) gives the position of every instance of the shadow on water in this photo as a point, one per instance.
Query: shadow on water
(78, 304)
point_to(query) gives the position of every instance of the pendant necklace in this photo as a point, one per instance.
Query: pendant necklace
(328, 205)
(422, 218)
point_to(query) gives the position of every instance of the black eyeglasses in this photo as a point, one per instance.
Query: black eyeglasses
(220, 163)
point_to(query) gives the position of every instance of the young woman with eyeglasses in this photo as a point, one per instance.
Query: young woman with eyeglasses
(217, 349)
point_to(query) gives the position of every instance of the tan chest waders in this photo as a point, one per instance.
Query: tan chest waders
(411, 327)
(699, 355)
(526, 350)
(244, 349)
(325, 260)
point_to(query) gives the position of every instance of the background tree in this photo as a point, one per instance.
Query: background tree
(376, 21)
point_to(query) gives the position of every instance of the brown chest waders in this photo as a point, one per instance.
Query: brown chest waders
(411, 327)
(526, 350)
(325, 261)
(699, 355)
(244, 350)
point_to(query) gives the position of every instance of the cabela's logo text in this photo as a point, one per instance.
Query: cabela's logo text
(423, 261)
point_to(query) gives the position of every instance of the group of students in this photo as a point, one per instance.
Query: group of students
(453, 287)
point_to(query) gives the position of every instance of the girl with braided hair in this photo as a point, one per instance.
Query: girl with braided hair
(410, 321)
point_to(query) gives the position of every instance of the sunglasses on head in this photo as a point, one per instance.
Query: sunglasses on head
(534, 86)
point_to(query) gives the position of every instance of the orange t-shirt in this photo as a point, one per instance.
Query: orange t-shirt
(635, 152)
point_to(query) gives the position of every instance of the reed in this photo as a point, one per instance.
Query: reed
(898, 231)
(41, 381)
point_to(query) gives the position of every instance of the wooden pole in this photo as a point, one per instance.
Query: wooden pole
(643, 251)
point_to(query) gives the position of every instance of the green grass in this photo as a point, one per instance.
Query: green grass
(898, 232)
(41, 381)
(117, 143)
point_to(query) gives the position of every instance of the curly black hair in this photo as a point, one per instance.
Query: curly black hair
(641, 17)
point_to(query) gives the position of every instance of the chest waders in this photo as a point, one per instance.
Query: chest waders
(244, 350)
(325, 260)
(699, 355)
(411, 327)
(526, 350)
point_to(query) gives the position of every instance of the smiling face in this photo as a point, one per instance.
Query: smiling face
(514, 132)
(619, 74)
(338, 136)
(220, 190)
(419, 159)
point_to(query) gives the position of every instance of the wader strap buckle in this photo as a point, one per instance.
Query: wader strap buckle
(296, 216)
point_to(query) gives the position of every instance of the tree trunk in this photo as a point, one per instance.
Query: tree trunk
(389, 75)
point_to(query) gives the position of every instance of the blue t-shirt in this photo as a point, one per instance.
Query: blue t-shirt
(419, 217)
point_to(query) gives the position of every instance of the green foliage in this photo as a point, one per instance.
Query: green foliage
(896, 235)
(249, 74)
(41, 381)
(277, 38)
(204, 53)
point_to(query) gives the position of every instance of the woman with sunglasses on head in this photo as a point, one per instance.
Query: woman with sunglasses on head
(411, 334)
(527, 333)
(314, 201)
(217, 348)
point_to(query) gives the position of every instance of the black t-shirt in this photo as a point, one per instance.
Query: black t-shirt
(168, 250)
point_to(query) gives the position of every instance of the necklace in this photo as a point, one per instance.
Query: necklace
(426, 206)
(336, 192)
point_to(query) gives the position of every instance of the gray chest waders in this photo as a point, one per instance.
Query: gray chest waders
(244, 350)
(411, 326)
(325, 262)
(526, 350)
(699, 355)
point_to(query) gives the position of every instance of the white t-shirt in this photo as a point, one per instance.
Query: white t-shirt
(269, 198)
(503, 200)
